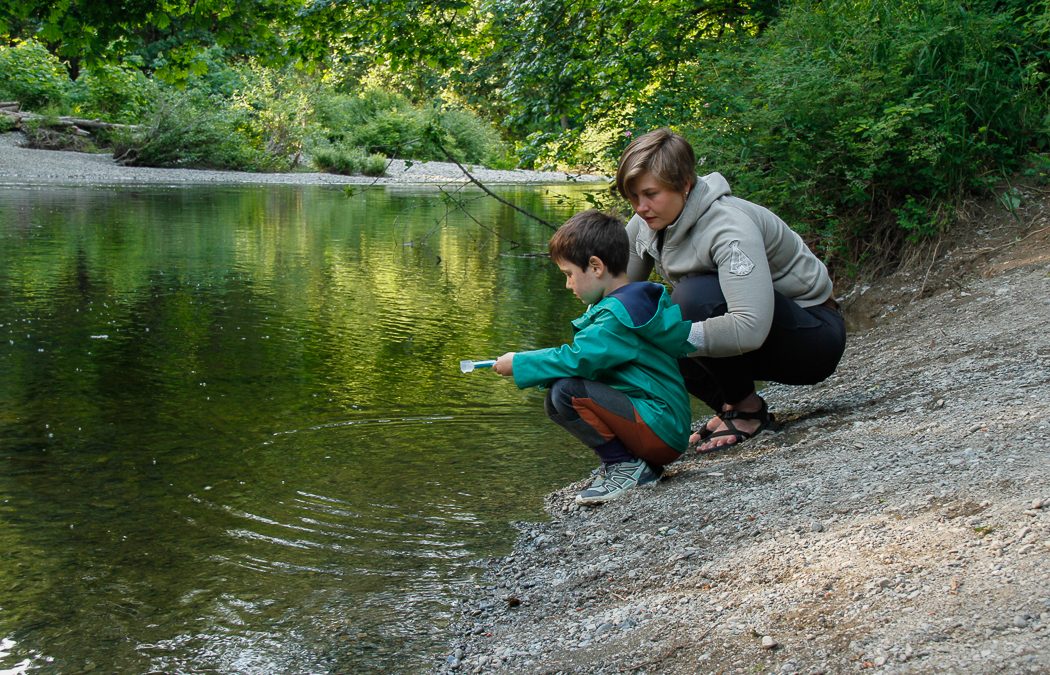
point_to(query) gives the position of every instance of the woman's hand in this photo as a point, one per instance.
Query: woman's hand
(505, 365)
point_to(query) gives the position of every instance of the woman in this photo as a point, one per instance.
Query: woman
(762, 303)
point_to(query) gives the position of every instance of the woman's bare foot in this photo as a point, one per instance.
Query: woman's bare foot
(712, 425)
(742, 428)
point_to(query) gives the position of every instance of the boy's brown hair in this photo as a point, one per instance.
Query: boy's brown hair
(662, 153)
(596, 233)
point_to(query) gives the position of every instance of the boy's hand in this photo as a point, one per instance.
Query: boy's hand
(505, 365)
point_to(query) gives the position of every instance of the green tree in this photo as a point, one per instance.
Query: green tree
(864, 120)
(560, 67)
(168, 37)
(415, 42)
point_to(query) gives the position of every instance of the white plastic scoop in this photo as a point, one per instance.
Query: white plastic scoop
(468, 366)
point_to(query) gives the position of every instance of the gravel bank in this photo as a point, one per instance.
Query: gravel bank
(898, 523)
(25, 166)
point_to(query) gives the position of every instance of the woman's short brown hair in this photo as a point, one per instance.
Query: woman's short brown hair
(662, 153)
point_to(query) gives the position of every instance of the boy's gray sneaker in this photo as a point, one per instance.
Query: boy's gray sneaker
(598, 475)
(617, 479)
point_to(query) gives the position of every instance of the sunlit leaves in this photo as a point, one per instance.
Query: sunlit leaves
(170, 32)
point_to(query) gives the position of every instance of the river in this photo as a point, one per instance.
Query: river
(234, 436)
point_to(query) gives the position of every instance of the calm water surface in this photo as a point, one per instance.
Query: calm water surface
(233, 432)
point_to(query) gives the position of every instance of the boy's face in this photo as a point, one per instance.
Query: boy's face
(585, 283)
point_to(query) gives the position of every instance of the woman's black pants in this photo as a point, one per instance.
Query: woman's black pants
(804, 345)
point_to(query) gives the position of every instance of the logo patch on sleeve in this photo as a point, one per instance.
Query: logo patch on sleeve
(739, 264)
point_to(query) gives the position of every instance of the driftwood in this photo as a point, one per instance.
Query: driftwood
(77, 125)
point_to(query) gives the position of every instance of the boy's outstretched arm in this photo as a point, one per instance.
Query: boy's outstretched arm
(505, 365)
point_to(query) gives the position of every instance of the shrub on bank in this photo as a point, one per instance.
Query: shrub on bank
(387, 123)
(32, 75)
(862, 123)
(349, 161)
(277, 109)
(190, 130)
(114, 93)
(271, 121)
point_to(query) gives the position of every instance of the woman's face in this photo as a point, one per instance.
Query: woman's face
(658, 204)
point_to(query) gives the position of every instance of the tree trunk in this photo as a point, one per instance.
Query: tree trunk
(61, 122)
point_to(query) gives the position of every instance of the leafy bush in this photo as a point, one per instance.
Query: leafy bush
(847, 115)
(32, 75)
(339, 113)
(375, 165)
(398, 133)
(467, 137)
(387, 123)
(349, 161)
(190, 130)
(114, 93)
(277, 108)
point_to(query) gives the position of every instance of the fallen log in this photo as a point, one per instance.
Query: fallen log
(64, 121)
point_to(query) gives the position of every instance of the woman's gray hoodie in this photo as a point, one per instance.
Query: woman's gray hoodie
(748, 246)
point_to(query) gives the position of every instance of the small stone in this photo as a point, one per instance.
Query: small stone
(1020, 621)
(768, 642)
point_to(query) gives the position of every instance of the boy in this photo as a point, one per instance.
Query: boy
(616, 387)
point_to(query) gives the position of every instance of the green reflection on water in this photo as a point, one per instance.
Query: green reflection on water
(233, 430)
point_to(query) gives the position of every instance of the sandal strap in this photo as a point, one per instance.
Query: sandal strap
(761, 415)
(732, 430)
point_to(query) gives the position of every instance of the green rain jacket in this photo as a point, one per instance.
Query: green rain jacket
(630, 340)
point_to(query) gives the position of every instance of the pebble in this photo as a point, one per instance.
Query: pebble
(768, 642)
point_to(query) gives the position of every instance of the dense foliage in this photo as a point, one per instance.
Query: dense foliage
(861, 121)
(848, 115)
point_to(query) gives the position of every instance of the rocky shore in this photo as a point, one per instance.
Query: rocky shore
(898, 523)
(26, 166)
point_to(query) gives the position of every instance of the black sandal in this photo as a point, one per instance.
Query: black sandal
(766, 420)
(704, 431)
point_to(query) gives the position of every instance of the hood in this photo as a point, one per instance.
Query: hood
(647, 309)
(707, 190)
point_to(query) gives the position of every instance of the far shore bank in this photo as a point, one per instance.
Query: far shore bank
(26, 166)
